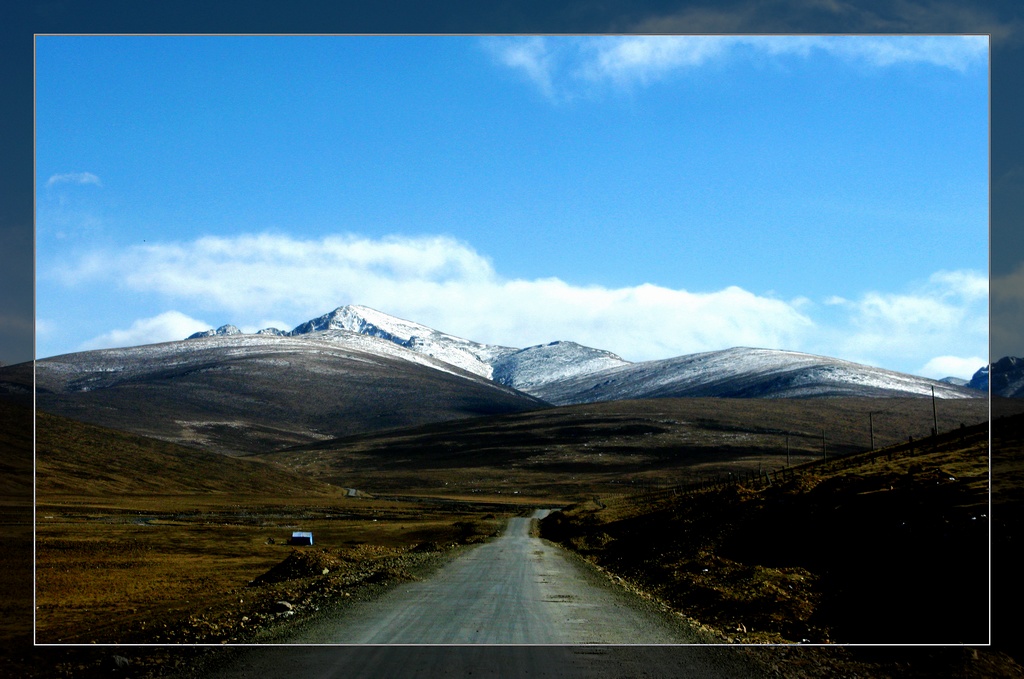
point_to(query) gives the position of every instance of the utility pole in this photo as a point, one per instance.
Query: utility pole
(787, 450)
(871, 428)
(824, 455)
(935, 419)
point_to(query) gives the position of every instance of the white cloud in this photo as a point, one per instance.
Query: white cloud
(953, 52)
(74, 178)
(446, 284)
(560, 65)
(952, 366)
(947, 315)
(168, 326)
(529, 55)
(644, 58)
(964, 284)
(437, 281)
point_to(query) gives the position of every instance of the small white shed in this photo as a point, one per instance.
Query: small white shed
(301, 537)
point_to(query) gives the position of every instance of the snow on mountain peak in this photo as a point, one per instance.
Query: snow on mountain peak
(563, 372)
(743, 372)
(535, 366)
(222, 330)
(462, 353)
(510, 366)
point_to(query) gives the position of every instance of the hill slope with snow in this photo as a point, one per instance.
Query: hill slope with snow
(531, 368)
(519, 368)
(566, 372)
(356, 370)
(240, 393)
(744, 373)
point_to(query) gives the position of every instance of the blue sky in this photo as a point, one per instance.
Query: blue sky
(652, 196)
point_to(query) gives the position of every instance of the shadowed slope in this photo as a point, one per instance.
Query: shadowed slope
(243, 394)
(619, 446)
(83, 459)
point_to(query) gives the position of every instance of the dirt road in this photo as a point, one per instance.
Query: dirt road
(515, 590)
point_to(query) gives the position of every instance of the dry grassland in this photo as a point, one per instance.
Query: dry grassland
(857, 550)
(619, 448)
(141, 541)
(868, 549)
(176, 569)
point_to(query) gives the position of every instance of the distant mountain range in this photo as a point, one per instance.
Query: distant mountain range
(240, 393)
(356, 370)
(564, 373)
(506, 365)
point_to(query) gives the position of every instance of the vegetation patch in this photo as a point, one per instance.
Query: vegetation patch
(109, 572)
(860, 549)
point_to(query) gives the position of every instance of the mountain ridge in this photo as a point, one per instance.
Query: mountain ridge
(564, 372)
(240, 393)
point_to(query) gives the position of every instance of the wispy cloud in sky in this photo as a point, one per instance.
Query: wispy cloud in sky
(74, 178)
(559, 66)
(170, 325)
(950, 309)
(532, 56)
(446, 284)
(440, 282)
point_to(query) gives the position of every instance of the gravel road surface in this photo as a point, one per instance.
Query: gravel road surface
(515, 589)
(545, 612)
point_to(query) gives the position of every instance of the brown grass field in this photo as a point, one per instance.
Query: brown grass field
(142, 541)
(866, 549)
(857, 550)
(617, 448)
(176, 569)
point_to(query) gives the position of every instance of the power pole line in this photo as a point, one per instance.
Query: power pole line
(871, 429)
(935, 419)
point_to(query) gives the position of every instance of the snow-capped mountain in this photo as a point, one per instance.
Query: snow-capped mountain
(466, 354)
(979, 380)
(565, 372)
(239, 393)
(519, 368)
(356, 370)
(742, 372)
(533, 367)
(222, 330)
